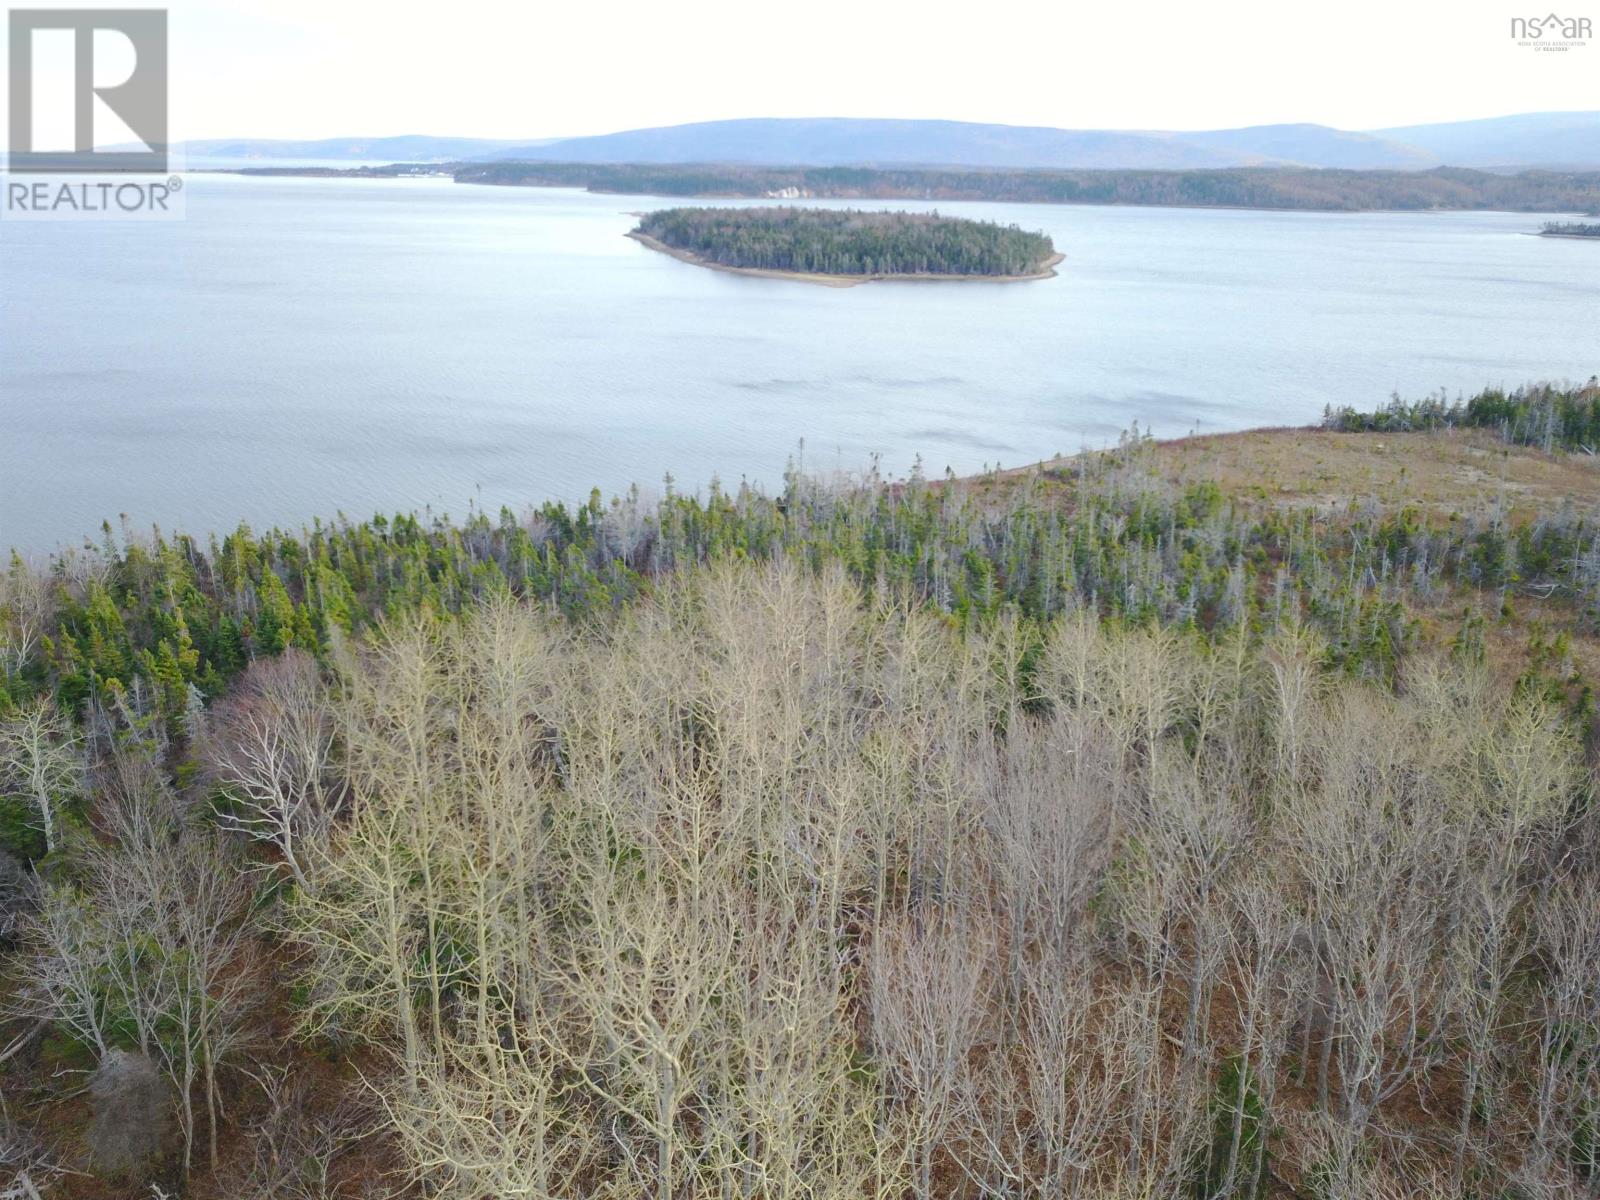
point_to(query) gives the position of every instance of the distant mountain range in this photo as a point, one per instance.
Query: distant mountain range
(844, 141)
(1559, 140)
(404, 148)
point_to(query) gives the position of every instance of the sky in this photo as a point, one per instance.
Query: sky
(485, 68)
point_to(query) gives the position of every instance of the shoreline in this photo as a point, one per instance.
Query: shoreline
(1325, 469)
(840, 281)
(1315, 467)
(1321, 210)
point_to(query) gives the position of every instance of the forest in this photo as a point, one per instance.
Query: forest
(1090, 831)
(1544, 416)
(1240, 187)
(1570, 229)
(847, 242)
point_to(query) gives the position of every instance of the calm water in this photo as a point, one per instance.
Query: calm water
(304, 347)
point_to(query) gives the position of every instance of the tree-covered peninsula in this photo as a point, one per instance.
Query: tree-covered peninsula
(844, 244)
(1570, 229)
(1307, 189)
(1303, 188)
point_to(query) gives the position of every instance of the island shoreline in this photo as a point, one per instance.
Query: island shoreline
(840, 281)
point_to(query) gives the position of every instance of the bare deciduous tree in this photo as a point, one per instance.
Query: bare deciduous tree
(41, 758)
(27, 603)
(757, 889)
(270, 744)
(930, 975)
(152, 940)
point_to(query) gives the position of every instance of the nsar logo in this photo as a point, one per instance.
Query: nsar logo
(1551, 31)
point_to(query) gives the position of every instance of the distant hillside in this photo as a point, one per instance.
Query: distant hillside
(1552, 140)
(407, 147)
(837, 141)
(845, 141)
(1444, 188)
(1564, 139)
(1314, 146)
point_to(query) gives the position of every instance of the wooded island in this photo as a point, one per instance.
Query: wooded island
(843, 246)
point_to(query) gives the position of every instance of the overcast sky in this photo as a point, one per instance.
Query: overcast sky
(321, 68)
